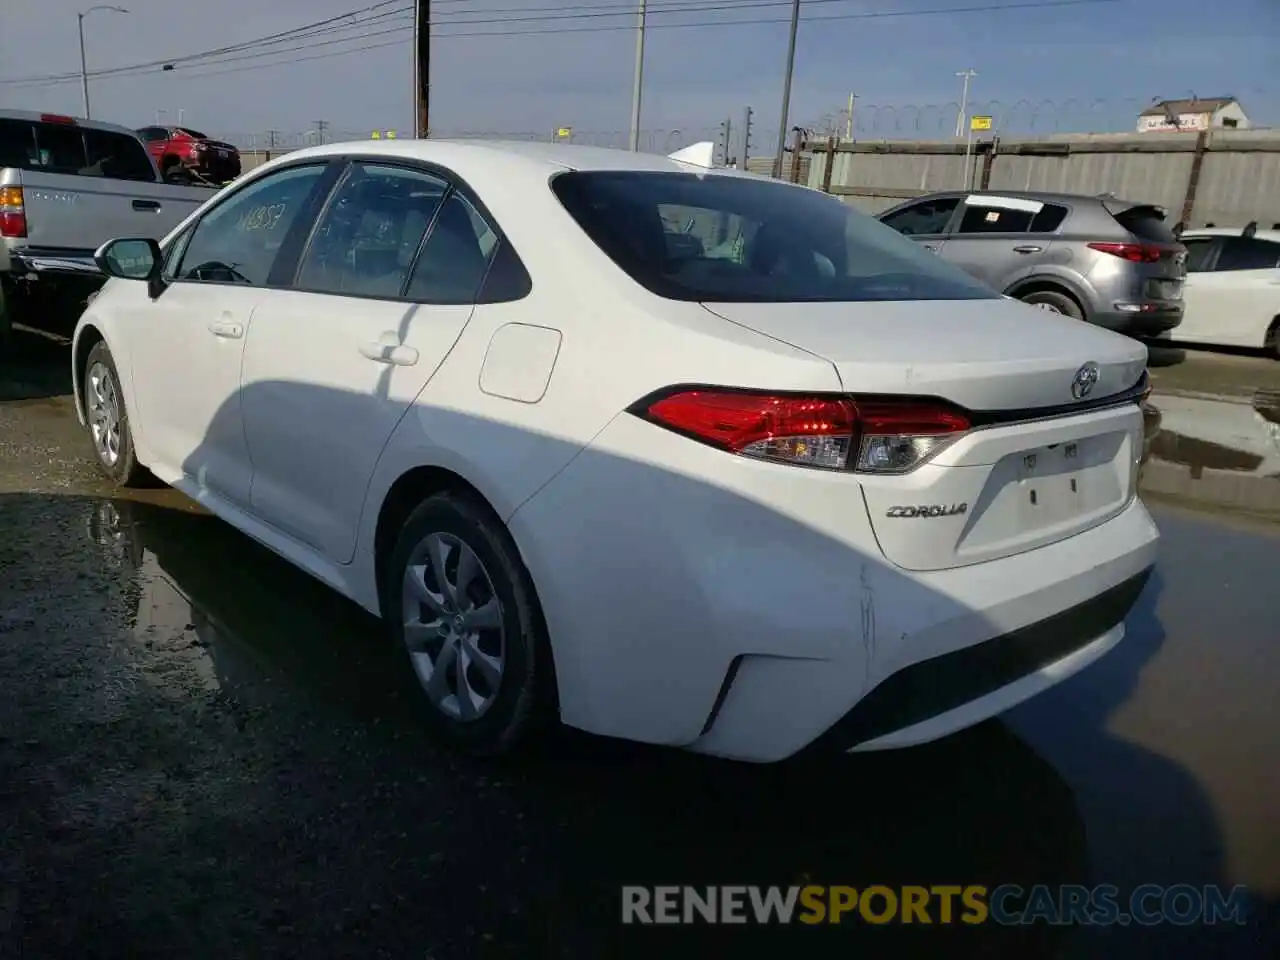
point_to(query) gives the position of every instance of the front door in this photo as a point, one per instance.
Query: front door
(334, 363)
(192, 337)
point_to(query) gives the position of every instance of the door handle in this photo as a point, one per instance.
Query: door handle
(146, 204)
(932, 248)
(1027, 248)
(227, 329)
(389, 350)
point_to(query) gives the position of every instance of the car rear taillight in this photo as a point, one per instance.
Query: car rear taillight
(13, 213)
(833, 433)
(1133, 252)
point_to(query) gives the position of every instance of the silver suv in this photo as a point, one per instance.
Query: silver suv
(1107, 261)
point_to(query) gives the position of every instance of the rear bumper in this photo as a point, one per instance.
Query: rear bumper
(1139, 318)
(743, 609)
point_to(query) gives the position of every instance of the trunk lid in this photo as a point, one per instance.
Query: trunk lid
(1029, 473)
(997, 354)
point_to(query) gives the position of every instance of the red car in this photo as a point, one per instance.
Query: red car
(179, 150)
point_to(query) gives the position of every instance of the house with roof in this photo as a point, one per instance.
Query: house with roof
(1167, 116)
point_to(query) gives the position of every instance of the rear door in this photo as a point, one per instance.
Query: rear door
(1001, 240)
(1162, 279)
(333, 363)
(924, 221)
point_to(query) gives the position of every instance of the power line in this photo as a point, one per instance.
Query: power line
(247, 52)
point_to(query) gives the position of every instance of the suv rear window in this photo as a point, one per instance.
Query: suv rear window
(77, 151)
(1146, 223)
(687, 236)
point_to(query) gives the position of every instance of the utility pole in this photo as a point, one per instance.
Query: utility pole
(964, 99)
(746, 136)
(321, 127)
(726, 144)
(786, 91)
(422, 66)
(637, 84)
(848, 124)
(84, 68)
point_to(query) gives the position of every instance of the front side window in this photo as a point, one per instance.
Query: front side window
(367, 238)
(238, 240)
(687, 236)
(928, 218)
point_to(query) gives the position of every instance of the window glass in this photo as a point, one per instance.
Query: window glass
(59, 148)
(194, 134)
(1198, 251)
(117, 155)
(923, 219)
(153, 134)
(1240, 253)
(237, 241)
(782, 243)
(983, 218)
(17, 144)
(455, 256)
(369, 234)
(1147, 224)
(1049, 219)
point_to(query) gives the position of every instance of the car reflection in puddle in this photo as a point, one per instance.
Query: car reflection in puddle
(1215, 452)
(217, 615)
(215, 609)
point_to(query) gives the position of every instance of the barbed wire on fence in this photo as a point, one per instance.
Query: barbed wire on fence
(656, 140)
(1009, 116)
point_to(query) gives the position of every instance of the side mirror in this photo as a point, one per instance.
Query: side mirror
(132, 259)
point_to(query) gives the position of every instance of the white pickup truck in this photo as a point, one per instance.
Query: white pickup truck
(66, 187)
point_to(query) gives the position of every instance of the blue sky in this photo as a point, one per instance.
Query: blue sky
(1091, 65)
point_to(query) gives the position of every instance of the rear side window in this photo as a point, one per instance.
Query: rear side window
(72, 150)
(1241, 253)
(1146, 223)
(687, 236)
(1049, 219)
(116, 156)
(982, 218)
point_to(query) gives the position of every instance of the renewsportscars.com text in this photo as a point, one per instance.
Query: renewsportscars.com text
(1008, 904)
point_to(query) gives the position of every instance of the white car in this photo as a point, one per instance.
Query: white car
(1232, 291)
(674, 454)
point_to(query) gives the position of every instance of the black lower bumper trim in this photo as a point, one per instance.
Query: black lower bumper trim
(932, 687)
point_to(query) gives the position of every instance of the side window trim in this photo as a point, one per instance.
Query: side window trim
(449, 191)
(183, 241)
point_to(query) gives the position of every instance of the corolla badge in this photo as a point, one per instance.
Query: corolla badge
(1084, 381)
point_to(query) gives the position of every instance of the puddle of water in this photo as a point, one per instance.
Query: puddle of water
(1215, 453)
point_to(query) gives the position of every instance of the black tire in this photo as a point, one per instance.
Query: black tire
(1272, 343)
(1055, 301)
(524, 704)
(125, 470)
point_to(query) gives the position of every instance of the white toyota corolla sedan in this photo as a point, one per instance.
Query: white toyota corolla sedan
(669, 453)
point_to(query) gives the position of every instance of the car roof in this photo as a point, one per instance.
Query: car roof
(1271, 235)
(467, 157)
(37, 116)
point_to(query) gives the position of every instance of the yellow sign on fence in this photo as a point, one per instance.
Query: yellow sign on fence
(979, 123)
(564, 133)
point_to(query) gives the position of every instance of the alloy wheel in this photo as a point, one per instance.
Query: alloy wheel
(453, 626)
(104, 413)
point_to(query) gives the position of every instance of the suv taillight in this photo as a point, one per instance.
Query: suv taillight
(1133, 252)
(883, 436)
(13, 213)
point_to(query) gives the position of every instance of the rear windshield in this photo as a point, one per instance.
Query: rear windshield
(1146, 223)
(69, 149)
(687, 236)
(193, 134)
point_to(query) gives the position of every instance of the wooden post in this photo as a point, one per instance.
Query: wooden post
(988, 162)
(422, 63)
(1193, 179)
(831, 163)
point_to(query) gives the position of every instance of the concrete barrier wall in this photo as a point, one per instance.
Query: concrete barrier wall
(1230, 177)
